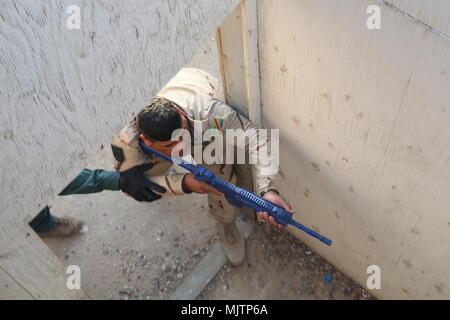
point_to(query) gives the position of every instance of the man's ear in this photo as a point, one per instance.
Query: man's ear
(148, 142)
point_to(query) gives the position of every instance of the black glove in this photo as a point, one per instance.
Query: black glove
(133, 182)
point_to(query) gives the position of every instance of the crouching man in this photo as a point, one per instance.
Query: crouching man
(189, 101)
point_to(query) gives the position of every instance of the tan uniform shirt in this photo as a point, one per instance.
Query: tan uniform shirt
(196, 92)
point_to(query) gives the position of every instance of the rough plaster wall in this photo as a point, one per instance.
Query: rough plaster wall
(365, 135)
(64, 93)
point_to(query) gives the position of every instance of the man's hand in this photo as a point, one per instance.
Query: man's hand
(133, 182)
(278, 200)
(191, 184)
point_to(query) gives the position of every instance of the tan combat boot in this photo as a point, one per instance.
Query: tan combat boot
(232, 241)
(64, 227)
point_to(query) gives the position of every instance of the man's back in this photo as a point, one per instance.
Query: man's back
(192, 89)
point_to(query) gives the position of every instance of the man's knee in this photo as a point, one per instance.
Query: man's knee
(221, 209)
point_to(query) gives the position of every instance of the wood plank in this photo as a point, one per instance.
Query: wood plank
(30, 263)
(237, 42)
(249, 13)
(11, 289)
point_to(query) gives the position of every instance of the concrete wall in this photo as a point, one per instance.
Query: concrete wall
(365, 133)
(65, 93)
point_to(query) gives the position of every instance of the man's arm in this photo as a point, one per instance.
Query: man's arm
(127, 154)
(131, 181)
(264, 171)
(92, 181)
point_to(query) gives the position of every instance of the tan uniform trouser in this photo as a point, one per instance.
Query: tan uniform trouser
(219, 207)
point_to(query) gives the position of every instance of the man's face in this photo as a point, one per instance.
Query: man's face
(167, 147)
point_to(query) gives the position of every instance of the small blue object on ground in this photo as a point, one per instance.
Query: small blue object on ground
(328, 278)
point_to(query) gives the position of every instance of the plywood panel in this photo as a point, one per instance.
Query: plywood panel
(31, 266)
(364, 121)
(237, 42)
(433, 13)
(10, 286)
(232, 61)
(65, 93)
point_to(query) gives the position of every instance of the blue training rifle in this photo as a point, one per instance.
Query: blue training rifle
(235, 195)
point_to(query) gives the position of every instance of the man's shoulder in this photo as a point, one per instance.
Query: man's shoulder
(129, 134)
(223, 110)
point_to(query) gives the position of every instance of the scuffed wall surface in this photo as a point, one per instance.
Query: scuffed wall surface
(364, 120)
(64, 93)
(433, 13)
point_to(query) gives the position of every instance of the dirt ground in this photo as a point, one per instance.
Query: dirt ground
(281, 267)
(133, 249)
(136, 250)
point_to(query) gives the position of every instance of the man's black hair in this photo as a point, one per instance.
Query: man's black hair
(158, 120)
